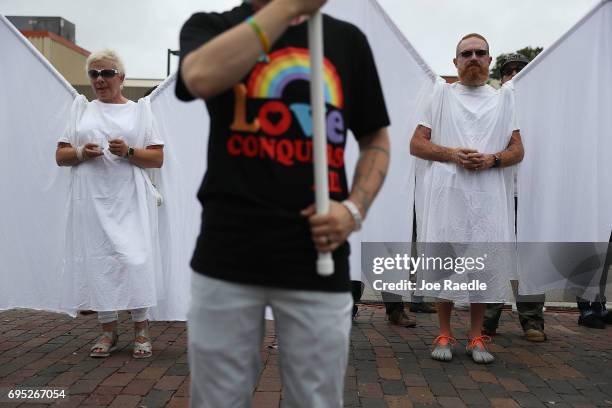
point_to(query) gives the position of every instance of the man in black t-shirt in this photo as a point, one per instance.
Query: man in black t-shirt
(260, 234)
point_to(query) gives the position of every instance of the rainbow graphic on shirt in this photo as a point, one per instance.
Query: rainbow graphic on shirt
(269, 80)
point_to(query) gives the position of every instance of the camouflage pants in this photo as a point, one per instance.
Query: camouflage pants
(530, 309)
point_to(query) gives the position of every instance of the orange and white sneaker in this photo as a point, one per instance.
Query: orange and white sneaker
(443, 350)
(478, 350)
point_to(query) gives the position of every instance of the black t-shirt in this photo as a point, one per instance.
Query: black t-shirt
(260, 172)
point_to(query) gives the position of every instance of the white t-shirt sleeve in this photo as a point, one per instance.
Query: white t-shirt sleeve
(515, 120)
(424, 112)
(152, 136)
(65, 137)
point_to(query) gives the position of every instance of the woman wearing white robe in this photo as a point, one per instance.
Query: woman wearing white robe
(111, 258)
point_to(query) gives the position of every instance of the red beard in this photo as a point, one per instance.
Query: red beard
(474, 74)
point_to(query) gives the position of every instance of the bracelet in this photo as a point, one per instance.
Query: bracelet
(354, 212)
(79, 153)
(261, 35)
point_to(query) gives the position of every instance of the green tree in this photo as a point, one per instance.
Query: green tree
(528, 52)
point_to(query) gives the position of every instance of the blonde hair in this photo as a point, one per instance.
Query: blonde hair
(107, 55)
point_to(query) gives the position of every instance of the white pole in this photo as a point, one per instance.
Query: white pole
(325, 263)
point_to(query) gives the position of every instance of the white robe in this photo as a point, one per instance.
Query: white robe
(455, 205)
(112, 259)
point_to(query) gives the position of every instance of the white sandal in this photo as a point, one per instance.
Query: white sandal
(142, 350)
(105, 348)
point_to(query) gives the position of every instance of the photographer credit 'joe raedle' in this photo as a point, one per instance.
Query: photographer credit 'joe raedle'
(391, 273)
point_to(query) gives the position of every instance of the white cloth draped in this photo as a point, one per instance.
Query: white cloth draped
(463, 206)
(112, 259)
(405, 78)
(565, 182)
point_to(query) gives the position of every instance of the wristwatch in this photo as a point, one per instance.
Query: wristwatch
(130, 153)
(497, 162)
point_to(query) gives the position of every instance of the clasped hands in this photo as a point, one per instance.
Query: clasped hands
(118, 147)
(471, 159)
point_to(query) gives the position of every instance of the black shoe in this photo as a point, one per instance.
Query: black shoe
(607, 318)
(591, 321)
(486, 331)
(421, 307)
(355, 310)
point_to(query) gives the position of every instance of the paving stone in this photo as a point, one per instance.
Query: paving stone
(451, 402)
(178, 402)
(513, 384)
(414, 380)
(472, 397)
(562, 387)
(443, 389)
(370, 390)
(527, 400)
(119, 379)
(125, 401)
(494, 391)
(156, 399)
(546, 395)
(463, 382)
(398, 401)
(139, 386)
(393, 387)
(367, 376)
(390, 373)
(504, 403)
(373, 402)
(421, 395)
(178, 369)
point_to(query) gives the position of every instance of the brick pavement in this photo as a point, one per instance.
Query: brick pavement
(388, 367)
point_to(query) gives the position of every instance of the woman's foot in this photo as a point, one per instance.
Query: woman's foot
(443, 350)
(142, 342)
(478, 350)
(105, 344)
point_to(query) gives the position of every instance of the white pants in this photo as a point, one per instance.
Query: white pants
(138, 315)
(226, 329)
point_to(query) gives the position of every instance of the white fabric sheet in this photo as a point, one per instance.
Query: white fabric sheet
(31, 124)
(34, 107)
(405, 77)
(112, 259)
(564, 99)
(184, 128)
(463, 206)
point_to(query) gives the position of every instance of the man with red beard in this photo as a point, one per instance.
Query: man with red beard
(468, 138)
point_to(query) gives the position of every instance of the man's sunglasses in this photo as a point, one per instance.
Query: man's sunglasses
(479, 53)
(104, 73)
(507, 71)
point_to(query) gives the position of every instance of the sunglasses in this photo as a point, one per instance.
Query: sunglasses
(507, 71)
(479, 53)
(104, 73)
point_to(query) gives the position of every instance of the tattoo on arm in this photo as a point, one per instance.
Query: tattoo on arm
(370, 173)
